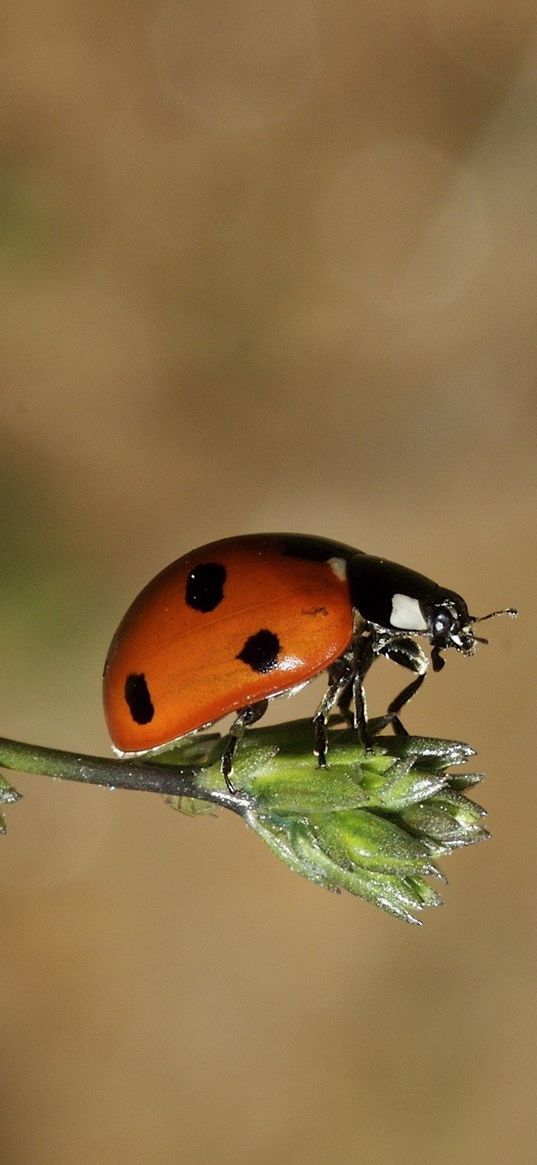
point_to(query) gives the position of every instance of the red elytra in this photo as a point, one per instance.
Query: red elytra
(222, 628)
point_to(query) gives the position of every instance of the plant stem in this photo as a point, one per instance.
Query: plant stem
(115, 774)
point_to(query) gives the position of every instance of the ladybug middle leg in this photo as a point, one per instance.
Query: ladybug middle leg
(339, 679)
(245, 718)
(364, 653)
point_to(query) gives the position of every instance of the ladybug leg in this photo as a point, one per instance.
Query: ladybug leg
(404, 651)
(244, 719)
(364, 653)
(340, 677)
(344, 704)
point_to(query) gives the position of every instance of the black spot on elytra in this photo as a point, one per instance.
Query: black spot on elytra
(260, 651)
(205, 586)
(138, 699)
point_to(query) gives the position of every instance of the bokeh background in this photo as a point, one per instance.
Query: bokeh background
(267, 264)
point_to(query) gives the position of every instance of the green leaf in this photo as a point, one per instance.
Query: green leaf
(361, 838)
(191, 806)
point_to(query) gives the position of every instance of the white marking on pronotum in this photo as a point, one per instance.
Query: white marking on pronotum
(406, 614)
(339, 567)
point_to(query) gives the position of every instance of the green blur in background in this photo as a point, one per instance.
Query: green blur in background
(266, 266)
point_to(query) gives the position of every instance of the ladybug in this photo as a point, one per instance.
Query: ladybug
(229, 626)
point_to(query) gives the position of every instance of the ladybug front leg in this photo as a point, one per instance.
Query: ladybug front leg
(403, 650)
(244, 719)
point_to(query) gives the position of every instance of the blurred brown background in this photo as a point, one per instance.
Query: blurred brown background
(266, 265)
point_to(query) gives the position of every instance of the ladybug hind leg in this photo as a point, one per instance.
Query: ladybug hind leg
(244, 719)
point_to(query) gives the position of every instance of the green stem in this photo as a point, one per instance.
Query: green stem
(114, 774)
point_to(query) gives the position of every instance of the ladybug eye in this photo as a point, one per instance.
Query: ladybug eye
(443, 622)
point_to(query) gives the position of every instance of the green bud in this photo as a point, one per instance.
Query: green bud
(370, 823)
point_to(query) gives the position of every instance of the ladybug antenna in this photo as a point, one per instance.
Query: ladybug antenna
(511, 611)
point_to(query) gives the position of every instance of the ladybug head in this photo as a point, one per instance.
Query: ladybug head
(451, 625)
